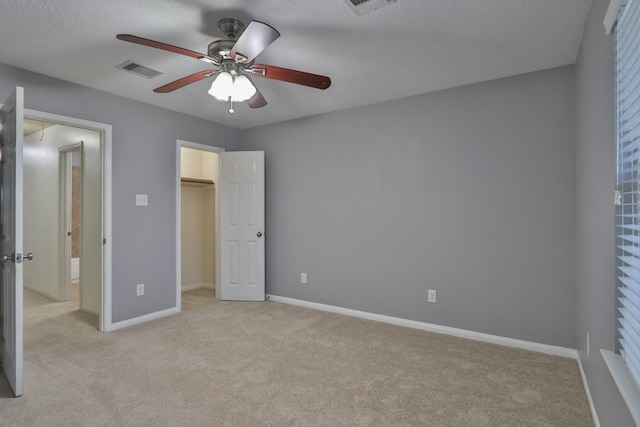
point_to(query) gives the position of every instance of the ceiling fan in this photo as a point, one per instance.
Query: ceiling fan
(233, 60)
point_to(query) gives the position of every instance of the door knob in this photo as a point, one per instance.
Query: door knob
(259, 234)
(17, 258)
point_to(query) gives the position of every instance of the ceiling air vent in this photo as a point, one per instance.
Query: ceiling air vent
(138, 69)
(360, 7)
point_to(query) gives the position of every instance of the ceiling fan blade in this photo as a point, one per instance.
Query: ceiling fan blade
(170, 48)
(292, 76)
(170, 87)
(254, 39)
(257, 100)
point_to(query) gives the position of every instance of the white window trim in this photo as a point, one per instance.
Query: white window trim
(624, 380)
(611, 15)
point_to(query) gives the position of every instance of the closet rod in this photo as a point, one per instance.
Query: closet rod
(196, 181)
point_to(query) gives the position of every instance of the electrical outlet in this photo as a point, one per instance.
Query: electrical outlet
(142, 200)
(140, 290)
(431, 295)
(303, 277)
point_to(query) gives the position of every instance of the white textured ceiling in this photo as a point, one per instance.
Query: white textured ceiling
(406, 48)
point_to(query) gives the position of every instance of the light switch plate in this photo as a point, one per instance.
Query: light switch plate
(142, 200)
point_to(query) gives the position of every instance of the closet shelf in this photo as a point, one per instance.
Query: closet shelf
(196, 182)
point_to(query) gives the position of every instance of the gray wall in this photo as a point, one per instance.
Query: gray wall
(144, 145)
(595, 154)
(469, 191)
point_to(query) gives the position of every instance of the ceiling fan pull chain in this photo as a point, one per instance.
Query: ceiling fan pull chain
(231, 110)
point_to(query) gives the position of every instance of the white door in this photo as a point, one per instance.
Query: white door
(242, 226)
(11, 118)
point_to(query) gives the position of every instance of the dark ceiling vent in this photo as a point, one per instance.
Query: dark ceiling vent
(138, 69)
(360, 7)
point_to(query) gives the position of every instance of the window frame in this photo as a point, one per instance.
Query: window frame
(627, 251)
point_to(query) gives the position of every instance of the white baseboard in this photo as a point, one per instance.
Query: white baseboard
(91, 311)
(585, 384)
(461, 333)
(194, 286)
(191, 287)
(143, 319)
(43, 293)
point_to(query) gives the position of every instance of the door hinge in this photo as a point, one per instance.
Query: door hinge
(104, 241)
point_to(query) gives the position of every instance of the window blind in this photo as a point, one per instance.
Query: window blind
(628, 183)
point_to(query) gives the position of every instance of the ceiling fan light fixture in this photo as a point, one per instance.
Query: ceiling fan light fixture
(242, 89)
(226, 86)
(221, 86)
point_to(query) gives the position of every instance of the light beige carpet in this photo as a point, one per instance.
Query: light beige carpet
(271, 364)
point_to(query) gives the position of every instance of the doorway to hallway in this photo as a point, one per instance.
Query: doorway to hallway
(67, 211)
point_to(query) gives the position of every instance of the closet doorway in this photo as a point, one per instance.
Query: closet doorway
(197, 195)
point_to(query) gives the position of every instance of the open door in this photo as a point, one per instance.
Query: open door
(11, 118)
(242, 248)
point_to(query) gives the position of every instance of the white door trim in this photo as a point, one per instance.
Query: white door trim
(106, 131)
(203, 147)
